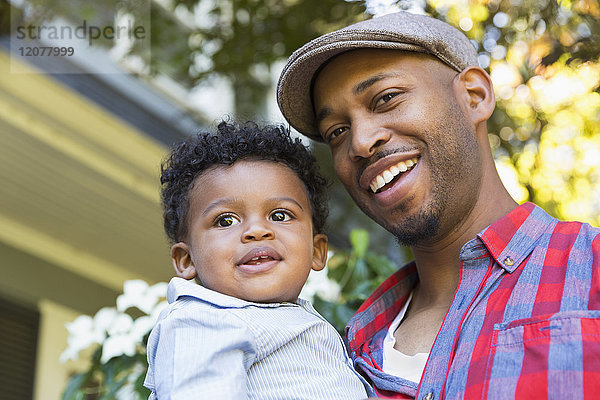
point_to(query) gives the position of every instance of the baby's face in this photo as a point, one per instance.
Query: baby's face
(250, 232)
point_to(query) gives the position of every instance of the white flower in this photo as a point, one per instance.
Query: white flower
(319, 283)
(81, 336)
(137, 293)
(104, 319)
(117, 345)
(141, 327)
(120, 325)
(159, 289)
(112, 328)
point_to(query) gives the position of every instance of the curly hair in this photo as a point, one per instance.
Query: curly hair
(228, 144)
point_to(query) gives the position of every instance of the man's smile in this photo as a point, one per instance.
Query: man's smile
(382, 174)
(390, 174)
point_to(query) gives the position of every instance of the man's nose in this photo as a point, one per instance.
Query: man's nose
(257, 230)
(367, 136)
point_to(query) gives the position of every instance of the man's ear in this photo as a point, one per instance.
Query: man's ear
(475, 88)
(319, 252)
(182, 261)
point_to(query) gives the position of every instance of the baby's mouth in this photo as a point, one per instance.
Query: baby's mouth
(387, 178)
(259, 260)
(259, 255)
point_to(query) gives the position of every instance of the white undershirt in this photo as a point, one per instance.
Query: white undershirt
(397, 363)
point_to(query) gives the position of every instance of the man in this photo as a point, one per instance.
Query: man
(501, 301)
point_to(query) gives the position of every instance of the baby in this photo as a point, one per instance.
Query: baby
(245, 209)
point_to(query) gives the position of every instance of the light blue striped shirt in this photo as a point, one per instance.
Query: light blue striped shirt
(210, 345)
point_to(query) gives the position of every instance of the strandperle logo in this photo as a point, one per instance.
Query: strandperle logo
(103, 38)
(82, 31)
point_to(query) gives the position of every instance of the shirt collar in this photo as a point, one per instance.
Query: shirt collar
(179, 288)
(509, 240)
(513, 237)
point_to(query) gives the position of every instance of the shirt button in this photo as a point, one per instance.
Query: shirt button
(429, 396)
(509, 262)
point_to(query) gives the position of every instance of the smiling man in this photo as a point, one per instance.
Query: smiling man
(502, 300)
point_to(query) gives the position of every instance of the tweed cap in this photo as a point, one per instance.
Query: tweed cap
(400, 31)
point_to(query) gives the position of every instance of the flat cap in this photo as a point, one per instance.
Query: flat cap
(401, 31)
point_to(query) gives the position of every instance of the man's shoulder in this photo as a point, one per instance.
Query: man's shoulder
(529, 227)
(581, 229)
(572, 235)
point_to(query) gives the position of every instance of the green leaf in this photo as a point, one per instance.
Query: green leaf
(361, 271)
(339, 267)
(380, 265)
(359, 238)
(142, 392)
(74, 386)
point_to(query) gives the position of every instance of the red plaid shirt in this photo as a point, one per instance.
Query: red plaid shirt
(524, 322)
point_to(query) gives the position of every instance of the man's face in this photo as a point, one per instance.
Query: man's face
(401, 144)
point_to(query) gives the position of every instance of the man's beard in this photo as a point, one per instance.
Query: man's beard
(416, 228)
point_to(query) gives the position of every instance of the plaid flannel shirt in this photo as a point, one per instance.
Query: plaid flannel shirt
(524, 322)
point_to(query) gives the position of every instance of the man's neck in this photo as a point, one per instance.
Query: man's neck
(438, 262)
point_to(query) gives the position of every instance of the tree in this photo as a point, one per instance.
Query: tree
(544, 60)
(243, 39)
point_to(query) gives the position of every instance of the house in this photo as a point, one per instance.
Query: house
(79, 206)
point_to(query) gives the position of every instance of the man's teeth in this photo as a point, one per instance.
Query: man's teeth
(389, 174)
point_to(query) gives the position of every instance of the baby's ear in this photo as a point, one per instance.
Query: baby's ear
(319, 252)
(182, 261)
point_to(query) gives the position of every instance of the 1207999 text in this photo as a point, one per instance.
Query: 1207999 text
(48, 51)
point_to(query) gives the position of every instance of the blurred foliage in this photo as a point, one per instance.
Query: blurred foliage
(543, 57)
(121, 377)
(358, 272)
(241, 40)
(193, 41)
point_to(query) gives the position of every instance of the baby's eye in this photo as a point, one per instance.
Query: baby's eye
(227, 220)
(280, 216)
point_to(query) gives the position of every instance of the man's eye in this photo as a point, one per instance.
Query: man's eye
(227, 220)
(385, 98)
(335, 133)
(280, 216)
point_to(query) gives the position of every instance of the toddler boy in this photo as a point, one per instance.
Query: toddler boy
(245, 209)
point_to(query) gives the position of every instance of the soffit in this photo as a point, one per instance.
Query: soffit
(78, 187)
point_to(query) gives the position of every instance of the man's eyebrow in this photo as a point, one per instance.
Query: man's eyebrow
(322, 114)
(358, 89)
(367, 83)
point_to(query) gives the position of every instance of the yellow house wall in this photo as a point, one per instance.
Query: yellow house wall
(50, 374)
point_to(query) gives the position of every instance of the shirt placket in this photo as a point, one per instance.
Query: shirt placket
(476, 271)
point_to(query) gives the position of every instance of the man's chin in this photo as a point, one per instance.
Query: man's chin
(412, 229)
(415, 230)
